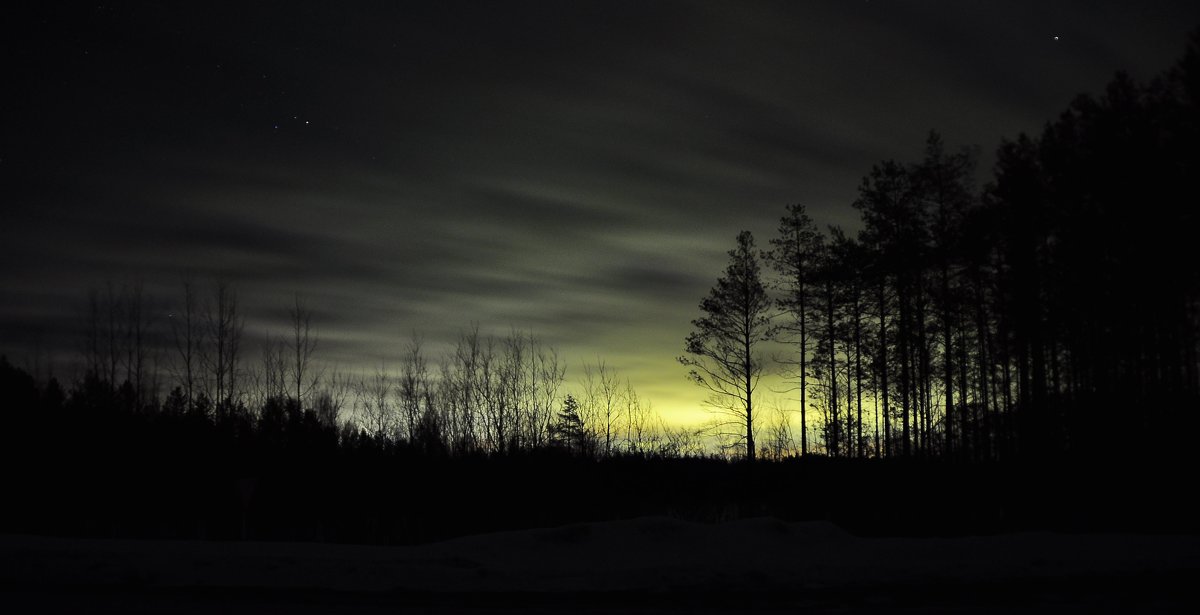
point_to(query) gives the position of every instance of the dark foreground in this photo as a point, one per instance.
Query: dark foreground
(1090, 595)
(649, 565)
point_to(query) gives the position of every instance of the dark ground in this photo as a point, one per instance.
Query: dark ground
(647, 565)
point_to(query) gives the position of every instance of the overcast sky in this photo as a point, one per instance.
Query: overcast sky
(574, 168)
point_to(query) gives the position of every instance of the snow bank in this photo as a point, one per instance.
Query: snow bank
(654, 554)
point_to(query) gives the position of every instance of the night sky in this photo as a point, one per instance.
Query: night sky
(575, 169)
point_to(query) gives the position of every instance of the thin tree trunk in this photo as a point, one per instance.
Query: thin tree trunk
(803, 364)
(858, 366)
(949, 367)
(749, 366)
(925, 367)
(851, 447)
(833, 396)
(905, 377)
(883, 367)
(964, 375)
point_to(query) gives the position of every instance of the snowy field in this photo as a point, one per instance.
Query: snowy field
(647, 565)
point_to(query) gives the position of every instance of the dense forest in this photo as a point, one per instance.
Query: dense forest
(1053, 314)
(1020, 355)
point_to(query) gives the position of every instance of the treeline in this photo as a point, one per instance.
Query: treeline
(87, 462)
(487, 394)
(84, 464)
(1053, 313)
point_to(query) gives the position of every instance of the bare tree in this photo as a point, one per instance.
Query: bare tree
(188, 340)
(679, 441)
(639, 426)
(332, 398)
(301, 346)
(461, 385)
(112, 318)
(412, 387)
(545, 375)
(604, 400)
(224, 329)
(101, 352)
(780, 443)
(135, 330)
(373, 400)
(91, 343)
(490, 393)
(270, 379)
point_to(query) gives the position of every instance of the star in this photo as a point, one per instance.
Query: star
(1056, 37)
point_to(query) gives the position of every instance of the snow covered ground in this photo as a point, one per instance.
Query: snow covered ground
(641, 565)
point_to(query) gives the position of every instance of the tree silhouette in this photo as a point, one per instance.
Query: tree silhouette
(412, 388)
(722, 347)
(792, 255)
(302, 343)
(570, 430)
(849, 262)
(223, 326)
(188, 341)
(943, 182)
(893, 228)
(604, 403)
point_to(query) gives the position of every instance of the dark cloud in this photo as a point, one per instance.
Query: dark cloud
(578, 169)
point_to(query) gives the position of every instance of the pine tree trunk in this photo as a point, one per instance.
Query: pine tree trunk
(833, 396)
(803, 366)
(858, 367)
(883, 367)
(923, 364)
(749, 366)
(905, 379)
(949, 367)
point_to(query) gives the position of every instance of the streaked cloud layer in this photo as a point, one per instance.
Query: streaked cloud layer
(577, 169)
